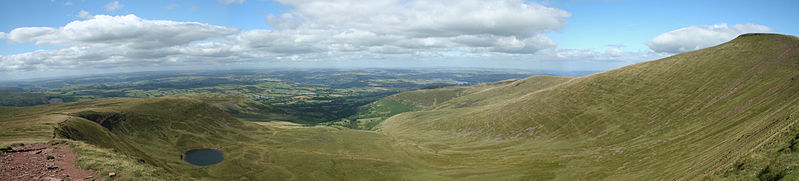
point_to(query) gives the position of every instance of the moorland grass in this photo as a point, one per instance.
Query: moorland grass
(688, 116)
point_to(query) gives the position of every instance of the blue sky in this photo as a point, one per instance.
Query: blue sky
(42, 38)
(594, 24)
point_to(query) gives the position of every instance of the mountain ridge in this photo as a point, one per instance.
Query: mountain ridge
(724, 112)
(638, 105)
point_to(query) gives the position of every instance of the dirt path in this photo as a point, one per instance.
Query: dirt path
(42, 162)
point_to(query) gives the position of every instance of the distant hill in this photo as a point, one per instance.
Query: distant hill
(243, 108)
(32, 99)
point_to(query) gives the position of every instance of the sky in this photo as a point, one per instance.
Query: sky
(51, 38)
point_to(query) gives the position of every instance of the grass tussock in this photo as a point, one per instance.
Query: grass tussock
(106, 160)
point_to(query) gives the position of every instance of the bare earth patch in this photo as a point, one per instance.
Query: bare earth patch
(52, 161)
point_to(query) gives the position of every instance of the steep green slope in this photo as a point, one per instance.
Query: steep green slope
(492, 93)
(371, 115)
(686, 116)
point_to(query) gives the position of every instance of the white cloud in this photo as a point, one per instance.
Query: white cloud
(117, 43)
(509, 26)
(120, 31)
(2, 35)
(113, 6)
(528, 45)
(68, 3)
(425, 18)
(348, 30)
(84, 14)
(703, 36)
(232, 1)
(23, 34)
(280, 42)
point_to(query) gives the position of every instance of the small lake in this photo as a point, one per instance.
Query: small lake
(204, 157)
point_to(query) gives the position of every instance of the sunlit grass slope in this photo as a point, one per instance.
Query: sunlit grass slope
(724, 111)
(372, 114)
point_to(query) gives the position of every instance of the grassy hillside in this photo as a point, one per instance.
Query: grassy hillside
(369, 116)
(145, 138)
(500, 91)
(723, 111)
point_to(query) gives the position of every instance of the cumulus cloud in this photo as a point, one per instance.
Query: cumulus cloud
(281, 42)
(425, 18)
(84, 14)
(113, 6)
(703, 36)
(513, 26)
(397, 30)
(120, 31)
(115, 41)
(528, 45)
(2, 35)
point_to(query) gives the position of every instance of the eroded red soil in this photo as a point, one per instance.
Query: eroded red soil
(42, 162)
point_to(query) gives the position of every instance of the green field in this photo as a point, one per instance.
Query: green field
(722, 113)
